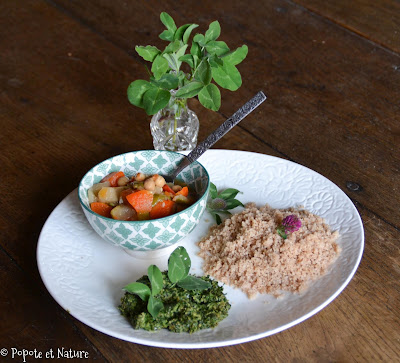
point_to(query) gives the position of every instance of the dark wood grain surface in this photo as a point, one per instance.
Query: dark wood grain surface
(332, 74)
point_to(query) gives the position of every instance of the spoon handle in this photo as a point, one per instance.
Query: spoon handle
(232, 121)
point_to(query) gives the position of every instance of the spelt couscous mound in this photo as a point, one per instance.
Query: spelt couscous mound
(245, 251)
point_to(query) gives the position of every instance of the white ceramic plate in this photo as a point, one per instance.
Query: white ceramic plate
(85, 274)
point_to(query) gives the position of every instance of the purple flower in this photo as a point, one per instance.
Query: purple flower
(289, 224)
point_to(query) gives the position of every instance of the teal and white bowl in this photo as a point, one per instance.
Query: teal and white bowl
(151, 235)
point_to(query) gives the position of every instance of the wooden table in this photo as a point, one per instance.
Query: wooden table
(332, 73)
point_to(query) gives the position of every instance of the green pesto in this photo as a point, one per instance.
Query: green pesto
(184, 310)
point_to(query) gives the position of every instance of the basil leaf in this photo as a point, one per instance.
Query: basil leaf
(190, 90)
(213, 191)
(137, 288)
(167, 81)
(154, 306)
(213, 32)
(217, 47)
(203, 72)
(233, 203)
(210, 97)
(155, 99)
(136, 91)
(159, 67)
(167, 35)
(227, 76)
(178, 265)
(228, 193)
(237, 56)
(187, 33)
(193, 283)
(148, 53)
(156, 279)
(167, 20)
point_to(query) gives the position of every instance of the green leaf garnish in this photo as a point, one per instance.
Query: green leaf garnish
(142, 290)
(179, 264)
(154, 306)
(213, 191)
(193, 283)
(229, 193)
(156, 280)
(221, 203)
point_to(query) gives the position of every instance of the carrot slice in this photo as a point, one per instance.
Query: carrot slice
(113, 178)
(168, 189)
(141, 201)
(101, 208)
(184, 191)
(124, 194)
(162, 209)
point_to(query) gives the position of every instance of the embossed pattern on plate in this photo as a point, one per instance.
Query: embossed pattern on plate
(85, 274)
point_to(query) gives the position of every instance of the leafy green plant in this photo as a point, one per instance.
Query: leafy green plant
(221, 203)
(179, 264)
(208, 59)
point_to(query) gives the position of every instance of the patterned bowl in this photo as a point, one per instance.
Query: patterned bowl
(151, 235)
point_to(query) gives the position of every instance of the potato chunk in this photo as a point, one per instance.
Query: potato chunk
(94, 191)
(110, 195)
(124, 212)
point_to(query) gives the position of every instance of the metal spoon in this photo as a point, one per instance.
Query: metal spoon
(228, 125)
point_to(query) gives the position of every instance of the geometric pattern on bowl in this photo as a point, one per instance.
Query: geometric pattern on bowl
(153, 234)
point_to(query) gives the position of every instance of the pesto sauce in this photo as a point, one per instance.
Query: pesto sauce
(184, 310)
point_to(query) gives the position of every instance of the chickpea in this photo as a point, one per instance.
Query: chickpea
(140, 177)
(149, 184)
(159, 180)
(122, 181)
(176, 188)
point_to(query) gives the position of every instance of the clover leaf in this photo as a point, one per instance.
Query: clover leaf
(179, 264)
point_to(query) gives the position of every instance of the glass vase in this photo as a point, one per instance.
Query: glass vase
(175, 127)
